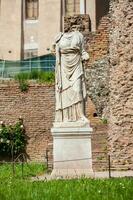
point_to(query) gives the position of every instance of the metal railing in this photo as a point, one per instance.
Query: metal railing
(8, 69)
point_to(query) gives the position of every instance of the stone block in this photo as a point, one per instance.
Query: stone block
(72, 151)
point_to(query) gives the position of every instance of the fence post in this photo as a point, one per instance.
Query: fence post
(12, 154)
(47, 158)
(109, 162)
(3, 68)
(22, 167)
(30, 65)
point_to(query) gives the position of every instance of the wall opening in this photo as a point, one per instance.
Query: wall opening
(102, 9)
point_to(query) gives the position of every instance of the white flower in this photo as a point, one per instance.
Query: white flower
(1, 140)
(10, 124)
(22, 126)
(1, 122)
(8, 141)
(122, 185)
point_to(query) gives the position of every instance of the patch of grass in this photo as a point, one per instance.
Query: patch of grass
(78, 189)
(23, 85)
(41, 76)
(22, 76)
(29, 170)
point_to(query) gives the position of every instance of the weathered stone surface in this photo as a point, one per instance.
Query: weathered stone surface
(77, 22)
(97, 85)
(121, 85)
(97, 69)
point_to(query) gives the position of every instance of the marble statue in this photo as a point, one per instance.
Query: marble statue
(70, 83)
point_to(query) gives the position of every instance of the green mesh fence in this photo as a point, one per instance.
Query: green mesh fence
(8, 69)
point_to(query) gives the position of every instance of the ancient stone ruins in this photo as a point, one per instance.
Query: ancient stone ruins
(107, 128)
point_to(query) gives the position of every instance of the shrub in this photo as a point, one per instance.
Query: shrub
(23, 85)
(42, 76)
(22, 76)
(12, 138)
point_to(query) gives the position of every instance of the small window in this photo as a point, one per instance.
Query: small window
(72, 7)
(32, 9)
(30, 53)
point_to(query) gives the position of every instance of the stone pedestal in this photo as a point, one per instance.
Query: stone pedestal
(72, 154)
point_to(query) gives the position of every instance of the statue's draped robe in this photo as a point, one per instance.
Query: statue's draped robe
(70, 84)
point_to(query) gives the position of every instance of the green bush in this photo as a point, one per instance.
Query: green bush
(22, 76)
(12, 139)
(41, 76)
(34, 74)
(23, 85)
(47, 77)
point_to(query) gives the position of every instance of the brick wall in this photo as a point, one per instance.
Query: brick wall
(36, 108)
(121, 85)
(98, 42)
(97, 69)
(99, 146)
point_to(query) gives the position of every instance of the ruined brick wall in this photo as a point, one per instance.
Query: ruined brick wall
(97, 69)
(36, 108)
(121, 85)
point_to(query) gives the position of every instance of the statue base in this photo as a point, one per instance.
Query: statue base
(72, 154)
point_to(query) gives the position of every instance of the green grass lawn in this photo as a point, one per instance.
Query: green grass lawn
(29, 170)
(16, 188)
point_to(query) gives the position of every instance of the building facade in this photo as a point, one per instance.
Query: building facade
(28, 27)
